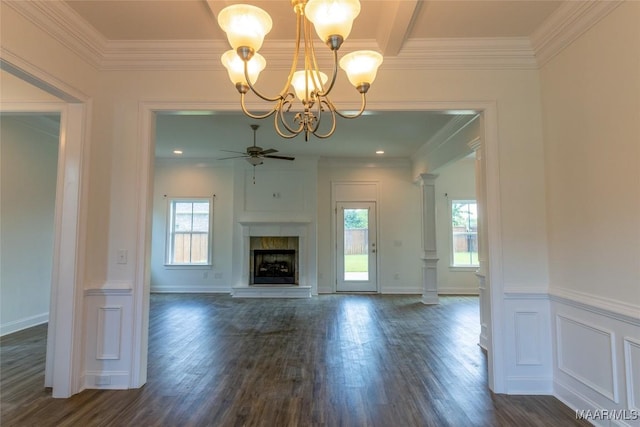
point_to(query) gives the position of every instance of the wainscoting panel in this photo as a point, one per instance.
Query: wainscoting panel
(577, 339)
(528, 338)
(528, 333)
(108, 330)
(632, 369)
(597, 356)
(110, 333)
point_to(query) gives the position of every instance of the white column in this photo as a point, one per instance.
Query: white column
(481, 273)
(429, 254)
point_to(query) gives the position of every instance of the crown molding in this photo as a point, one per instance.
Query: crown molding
(64, 25)
(490, 53)
(566, 24)
(448, 131)
(465, 53)
(162, 55)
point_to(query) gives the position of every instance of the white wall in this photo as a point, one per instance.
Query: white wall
(591, 104)
(29, 156)
(398, 204)
(456, 181)
(591, 108)
(193, 178)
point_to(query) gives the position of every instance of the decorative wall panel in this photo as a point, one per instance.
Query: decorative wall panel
(632, 368)
(586, 353)
(109, 333)
(528, 338)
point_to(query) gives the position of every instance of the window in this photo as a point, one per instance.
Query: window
(464, 227)
(189, 232)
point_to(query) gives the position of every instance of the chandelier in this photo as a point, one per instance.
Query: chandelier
(246, 27)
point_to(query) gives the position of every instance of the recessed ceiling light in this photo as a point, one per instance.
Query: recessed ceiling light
(380, 152)
(177, 151)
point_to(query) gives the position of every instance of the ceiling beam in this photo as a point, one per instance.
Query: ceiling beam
(215, 6)
(396, 20)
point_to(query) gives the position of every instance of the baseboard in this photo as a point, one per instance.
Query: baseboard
(190, 290)
(272, 291)
(25, 323)
(574, 399)
(401, 290)
(457, 291)
(106, 380)
(530, 385)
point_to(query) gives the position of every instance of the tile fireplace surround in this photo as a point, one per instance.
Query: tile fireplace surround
(244, 289)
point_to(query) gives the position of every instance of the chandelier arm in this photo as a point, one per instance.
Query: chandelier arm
(333, 112)
(296, 53)
(352, 116)
(254, 90)
(310, 61)
(255, 116)
(333, 77)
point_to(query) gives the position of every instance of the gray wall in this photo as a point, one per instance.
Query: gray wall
(29, 156)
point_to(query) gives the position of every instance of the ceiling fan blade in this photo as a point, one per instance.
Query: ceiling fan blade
(279, 157)
(237, 152)
(232, 157)
(269, 151)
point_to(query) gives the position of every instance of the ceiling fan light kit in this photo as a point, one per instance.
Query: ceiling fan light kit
(246, 27)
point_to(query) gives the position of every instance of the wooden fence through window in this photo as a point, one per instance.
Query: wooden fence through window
(356, 241)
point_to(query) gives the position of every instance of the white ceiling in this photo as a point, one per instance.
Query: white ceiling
(389, 24)
(399, 134)
(195, 20)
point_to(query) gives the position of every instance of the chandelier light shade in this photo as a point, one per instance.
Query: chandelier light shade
(306, 83)
(332, 17)
(246, 26)
(361, 66)
(235, 67)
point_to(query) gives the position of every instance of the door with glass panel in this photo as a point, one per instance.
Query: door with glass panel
(356, 247)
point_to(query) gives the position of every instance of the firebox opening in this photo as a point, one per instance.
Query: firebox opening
(274, 266)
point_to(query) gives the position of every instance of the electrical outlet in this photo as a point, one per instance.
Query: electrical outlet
(396, 276)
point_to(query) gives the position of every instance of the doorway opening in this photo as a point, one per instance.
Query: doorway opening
(47, 95)
(490, 183)
(29, 153)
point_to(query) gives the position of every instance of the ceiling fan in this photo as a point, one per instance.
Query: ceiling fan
(256, 154)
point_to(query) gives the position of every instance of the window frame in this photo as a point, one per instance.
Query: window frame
(452, 264)
(170, 232)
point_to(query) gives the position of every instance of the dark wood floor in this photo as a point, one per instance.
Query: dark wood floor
(347, 360)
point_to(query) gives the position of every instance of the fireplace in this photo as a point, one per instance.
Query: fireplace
(278, 247)
(274, 266)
